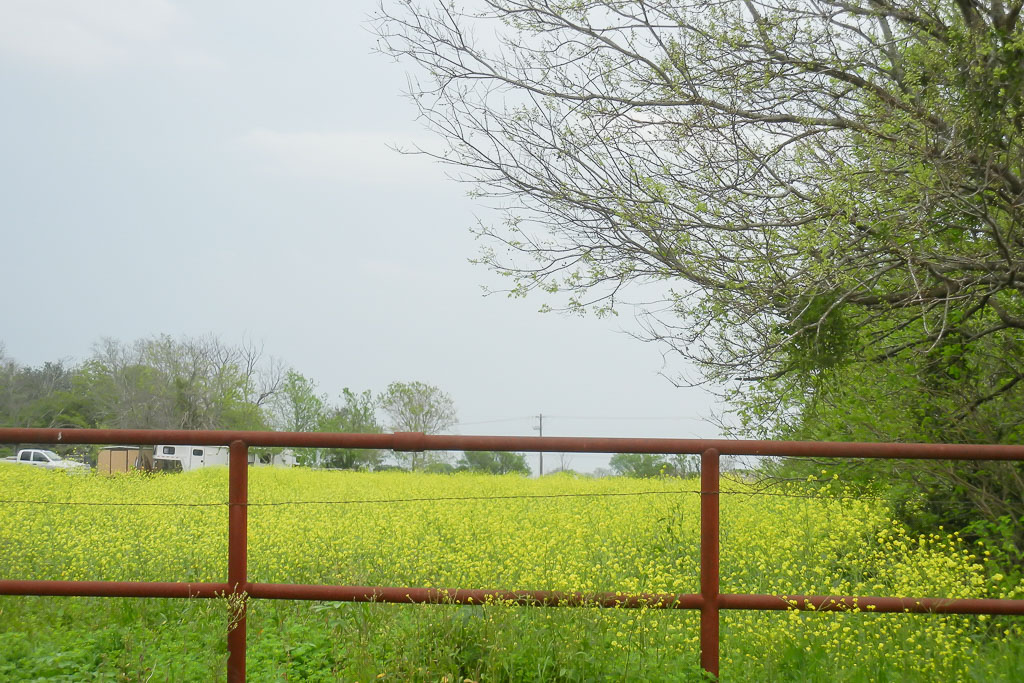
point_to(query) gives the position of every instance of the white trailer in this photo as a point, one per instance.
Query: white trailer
(187, 458)
(285, 458)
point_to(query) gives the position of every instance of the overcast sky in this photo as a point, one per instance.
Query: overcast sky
(224, 167)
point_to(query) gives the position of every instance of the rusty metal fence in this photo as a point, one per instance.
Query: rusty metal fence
(709, 601)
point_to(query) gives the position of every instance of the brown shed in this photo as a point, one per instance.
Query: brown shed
(113, 459)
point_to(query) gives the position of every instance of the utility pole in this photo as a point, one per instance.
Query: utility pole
(540, 454)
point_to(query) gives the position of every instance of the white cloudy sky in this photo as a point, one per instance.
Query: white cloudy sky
(224, 167)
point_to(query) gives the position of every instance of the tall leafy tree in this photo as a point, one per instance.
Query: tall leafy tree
(813, 194)
(791, 173)
(356, 414)
(417, 407)
(299, 407)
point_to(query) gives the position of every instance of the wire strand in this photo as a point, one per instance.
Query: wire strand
(379, 501)
(358, 501)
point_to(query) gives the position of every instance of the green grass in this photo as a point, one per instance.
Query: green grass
(75, 639)
(111, 639)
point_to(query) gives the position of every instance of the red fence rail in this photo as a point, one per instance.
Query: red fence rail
(709, 601)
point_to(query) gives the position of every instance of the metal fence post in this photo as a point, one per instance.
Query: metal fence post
(238, 499)
(709, 560)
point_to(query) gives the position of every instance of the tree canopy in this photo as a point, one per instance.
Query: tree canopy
(645, 465)
(186, 383)
(639, 465)
(493, 462)
(798, 185)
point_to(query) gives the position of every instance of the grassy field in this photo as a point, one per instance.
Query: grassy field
(573, 534)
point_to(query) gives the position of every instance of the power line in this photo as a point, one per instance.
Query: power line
(625, 417)
(494, 421)
(585, 417)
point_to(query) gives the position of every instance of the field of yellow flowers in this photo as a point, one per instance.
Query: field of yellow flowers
(480, 531)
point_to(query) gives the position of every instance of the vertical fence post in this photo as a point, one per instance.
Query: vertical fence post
(709, 560)
(238, 499)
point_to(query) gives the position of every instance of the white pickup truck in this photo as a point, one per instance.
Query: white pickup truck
(39, 457)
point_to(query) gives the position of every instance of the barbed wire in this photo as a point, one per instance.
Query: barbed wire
(357, 501)
(109, 503)
(442, 499)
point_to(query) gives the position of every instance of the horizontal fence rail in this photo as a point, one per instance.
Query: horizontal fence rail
(709, 601)
(416, 441)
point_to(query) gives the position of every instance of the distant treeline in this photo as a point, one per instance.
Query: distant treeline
(162, 382)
